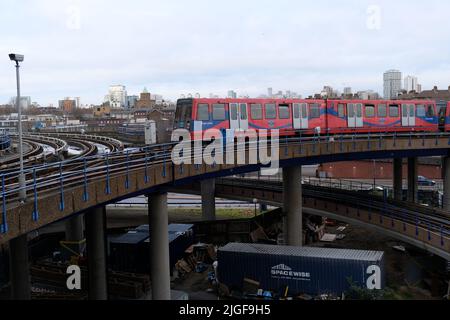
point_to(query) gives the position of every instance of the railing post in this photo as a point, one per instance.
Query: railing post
(35, 210)
(108, 188)
(164, 162)
(85, 191)
(61, 182)
(146, 168)
(127, 179)
(4, 225)
(300, 143)
(286, 150)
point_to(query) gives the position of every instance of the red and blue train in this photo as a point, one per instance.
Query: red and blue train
(309, 116)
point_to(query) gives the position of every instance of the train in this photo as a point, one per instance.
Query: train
(312, 116)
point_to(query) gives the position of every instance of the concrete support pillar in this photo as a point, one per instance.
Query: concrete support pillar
(19, 268)
(398, 179)
(74, 228)
(159, 246)
(292, 199)
(412, 180)
(96, 253)
(208, 190)
(446, 177)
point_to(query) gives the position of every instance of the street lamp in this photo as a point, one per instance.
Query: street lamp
(255, 201)
(22, 192)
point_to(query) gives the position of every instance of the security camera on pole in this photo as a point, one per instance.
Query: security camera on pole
(22, 191)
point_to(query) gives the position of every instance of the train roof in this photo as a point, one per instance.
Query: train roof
(291, 100)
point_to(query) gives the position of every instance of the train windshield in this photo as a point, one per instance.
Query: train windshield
(183, 114)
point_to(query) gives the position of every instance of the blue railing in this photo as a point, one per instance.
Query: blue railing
(5, 141)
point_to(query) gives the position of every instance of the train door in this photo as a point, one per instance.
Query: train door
(351, 115)
(243, 116)
(408, 115)
(300, 116)
(359, 115)
(234, 116)
(354, 115)
(238, 116)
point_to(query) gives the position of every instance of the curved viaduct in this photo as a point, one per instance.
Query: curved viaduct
(69, 188)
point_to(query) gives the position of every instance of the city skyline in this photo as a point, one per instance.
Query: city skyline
(70, 50)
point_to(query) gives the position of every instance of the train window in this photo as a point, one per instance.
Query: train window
(283, 111)
(430, 111)
(304, 113)
(234, 111)
(341, 110)
(219, 111)
(314, 110)
(420, 110)
(351, 110)
(370, 111)
(256, 111)
(296, 107)
(393, 111)
(358, 110)
(202, 112)
(271, 112)
(243, 108)
(382, 111)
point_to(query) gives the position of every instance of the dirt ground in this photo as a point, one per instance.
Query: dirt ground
(407, 273)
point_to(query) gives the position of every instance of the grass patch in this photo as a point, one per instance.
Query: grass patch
(221, 213)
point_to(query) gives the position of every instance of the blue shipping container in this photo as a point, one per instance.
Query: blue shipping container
(303, 269)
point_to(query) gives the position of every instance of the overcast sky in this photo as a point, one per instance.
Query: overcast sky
(173, 47)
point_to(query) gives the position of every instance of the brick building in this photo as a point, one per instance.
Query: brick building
(145, 101)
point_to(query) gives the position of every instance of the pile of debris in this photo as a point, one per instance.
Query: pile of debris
(198, 258)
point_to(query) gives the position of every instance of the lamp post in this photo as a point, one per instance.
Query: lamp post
(22, 192)
(255, 201)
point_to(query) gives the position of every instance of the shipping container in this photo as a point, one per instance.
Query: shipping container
(303, 269)
(181, 236)
(130, 252)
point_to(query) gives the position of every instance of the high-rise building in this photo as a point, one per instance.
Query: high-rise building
(25, 101)
(347, 90)
(232, 94)
(131, 101)
(411, 83)
(117, 96)
(419, 88)
(269, 92)
(392, 84)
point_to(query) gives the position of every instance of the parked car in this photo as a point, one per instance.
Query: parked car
(422, 181)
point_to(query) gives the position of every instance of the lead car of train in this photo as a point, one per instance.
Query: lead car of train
(307, 117)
